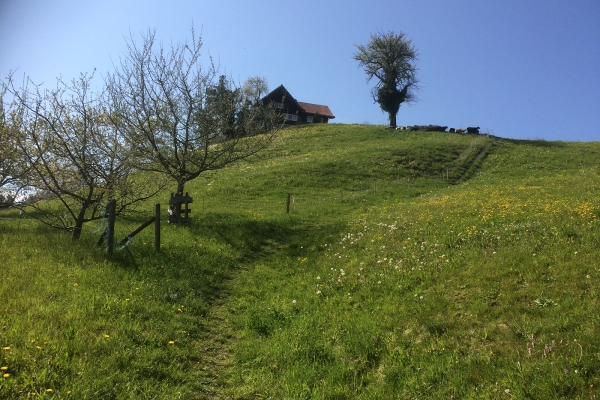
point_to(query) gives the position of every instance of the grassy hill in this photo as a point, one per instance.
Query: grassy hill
(410, 265)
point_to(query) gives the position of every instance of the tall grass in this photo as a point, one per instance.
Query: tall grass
(385, 280)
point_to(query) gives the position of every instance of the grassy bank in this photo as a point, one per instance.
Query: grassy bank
(386, 279)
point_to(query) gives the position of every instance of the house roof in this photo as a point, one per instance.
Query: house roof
(316, 109)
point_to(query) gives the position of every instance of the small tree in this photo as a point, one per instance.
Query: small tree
(76, 157)
(255, 88)
(392, 59)
(179, 119)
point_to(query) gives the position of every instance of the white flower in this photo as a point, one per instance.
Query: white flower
(293, 301)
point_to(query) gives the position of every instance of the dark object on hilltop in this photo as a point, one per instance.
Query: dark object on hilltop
(427, 128)
(296, 112)
(438, 128)
(392, 59)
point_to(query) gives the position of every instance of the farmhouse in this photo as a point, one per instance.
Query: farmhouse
(297, 112)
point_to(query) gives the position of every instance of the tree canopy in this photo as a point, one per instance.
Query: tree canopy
(391, 58)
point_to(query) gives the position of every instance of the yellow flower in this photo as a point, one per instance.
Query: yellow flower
(171, 342)
(38, 347)
(3, 368)
(76, 284)
(5, 375)
(106, 336)
(6, 348)
(49, 390)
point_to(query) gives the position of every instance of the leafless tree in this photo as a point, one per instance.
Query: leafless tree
(255, 88)
(13, 166)
(181, 117)
(78, 159)
(391, 58)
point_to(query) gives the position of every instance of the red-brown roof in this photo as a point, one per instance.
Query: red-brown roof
(316, 109)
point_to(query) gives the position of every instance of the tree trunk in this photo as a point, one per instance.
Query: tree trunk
(180, 186)
(392, 120)
(79, 224)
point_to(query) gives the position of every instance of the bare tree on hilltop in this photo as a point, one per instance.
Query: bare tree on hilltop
(255, 88)
(392, 59)
(183, 118)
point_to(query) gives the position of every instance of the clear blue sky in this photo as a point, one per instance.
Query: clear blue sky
(516, 68)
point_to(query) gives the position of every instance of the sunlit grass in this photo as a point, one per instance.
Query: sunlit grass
(385, 280)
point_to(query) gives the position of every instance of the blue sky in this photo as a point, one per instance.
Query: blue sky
(516, 68)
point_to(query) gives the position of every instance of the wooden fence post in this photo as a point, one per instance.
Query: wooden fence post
(112, 205)
(157, 227)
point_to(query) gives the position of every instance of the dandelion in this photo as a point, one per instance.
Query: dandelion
(6, 348)
(171, 342)
(3, 368)
(318, 292)
(106, 336)
(293, 301)
(5, 376)
(49, 390)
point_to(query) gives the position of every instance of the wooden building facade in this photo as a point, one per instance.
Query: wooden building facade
(297, 112)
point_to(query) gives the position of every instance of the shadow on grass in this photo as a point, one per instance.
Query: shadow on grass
(537, 142)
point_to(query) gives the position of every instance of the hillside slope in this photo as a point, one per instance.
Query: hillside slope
(387, 279)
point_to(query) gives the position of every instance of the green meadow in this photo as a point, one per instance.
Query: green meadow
(411, 265)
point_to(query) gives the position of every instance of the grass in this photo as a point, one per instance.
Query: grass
(386, 279)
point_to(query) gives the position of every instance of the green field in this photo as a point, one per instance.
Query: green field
(411, 265)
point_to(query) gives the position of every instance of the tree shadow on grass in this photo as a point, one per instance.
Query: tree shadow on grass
(537, 142)
(257, 238)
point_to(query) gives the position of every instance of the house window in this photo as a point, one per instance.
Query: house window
(277, 105)
(309, 119)
(290, 117)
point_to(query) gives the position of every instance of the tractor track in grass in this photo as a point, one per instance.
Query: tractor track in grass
(482, 152)
(216, 356)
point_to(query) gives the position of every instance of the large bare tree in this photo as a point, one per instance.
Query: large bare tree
(76, 156)
(392, 59)
(182, 117)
